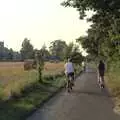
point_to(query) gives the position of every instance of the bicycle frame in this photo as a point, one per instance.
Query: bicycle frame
(70, 83)
(100, 80)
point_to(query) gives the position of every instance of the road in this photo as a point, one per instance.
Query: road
(86, 102)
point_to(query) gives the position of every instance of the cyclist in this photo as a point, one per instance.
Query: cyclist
(101, 71)
(69, 70)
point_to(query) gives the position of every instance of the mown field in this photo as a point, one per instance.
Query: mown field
(14, 78)
(27, 92)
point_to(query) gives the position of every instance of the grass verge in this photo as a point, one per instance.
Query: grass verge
(113, 83)
(18, 108)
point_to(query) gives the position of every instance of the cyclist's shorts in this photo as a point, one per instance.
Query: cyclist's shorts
(101, 73)
(71, 74)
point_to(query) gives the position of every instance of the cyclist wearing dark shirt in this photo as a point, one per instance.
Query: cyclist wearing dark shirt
(101, 68)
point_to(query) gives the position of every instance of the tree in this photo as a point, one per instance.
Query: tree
(10, 54)
(39, 57)
(27, 50)
(105, 28)
(77, 58)
(99, 6)
(72, 51)
(69, 50)
(45, 52)
(57, 48)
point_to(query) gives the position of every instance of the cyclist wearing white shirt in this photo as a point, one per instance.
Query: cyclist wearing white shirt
(69, 69)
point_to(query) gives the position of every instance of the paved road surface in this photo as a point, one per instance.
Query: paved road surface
(86, 102)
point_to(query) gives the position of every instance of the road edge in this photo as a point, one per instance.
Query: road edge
(47, 99)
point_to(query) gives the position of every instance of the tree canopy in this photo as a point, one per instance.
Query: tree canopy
(27, 50)
(57, 48)
(103, 37)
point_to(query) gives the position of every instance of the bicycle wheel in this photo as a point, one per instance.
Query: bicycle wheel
(70, 84)
(101, 82)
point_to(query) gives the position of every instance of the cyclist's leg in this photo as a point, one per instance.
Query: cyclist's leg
(67, 78)
(102, 81)
(98, 75)
(73, 78)
(102, 78)
(69, 81)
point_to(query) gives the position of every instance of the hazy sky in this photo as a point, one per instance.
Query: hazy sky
(41, 21)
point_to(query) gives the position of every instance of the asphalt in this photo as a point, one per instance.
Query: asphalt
(86, 102)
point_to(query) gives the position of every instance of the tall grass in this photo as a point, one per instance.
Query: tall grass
(13, 78)
(113, 83)
(16, 81)
(17, 109)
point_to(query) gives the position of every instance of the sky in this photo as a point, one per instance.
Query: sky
(41, 21)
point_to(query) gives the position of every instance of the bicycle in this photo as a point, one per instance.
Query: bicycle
(101, 82)
(70, 83)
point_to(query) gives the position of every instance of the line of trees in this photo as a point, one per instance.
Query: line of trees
(58, 50)
(8, 54)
